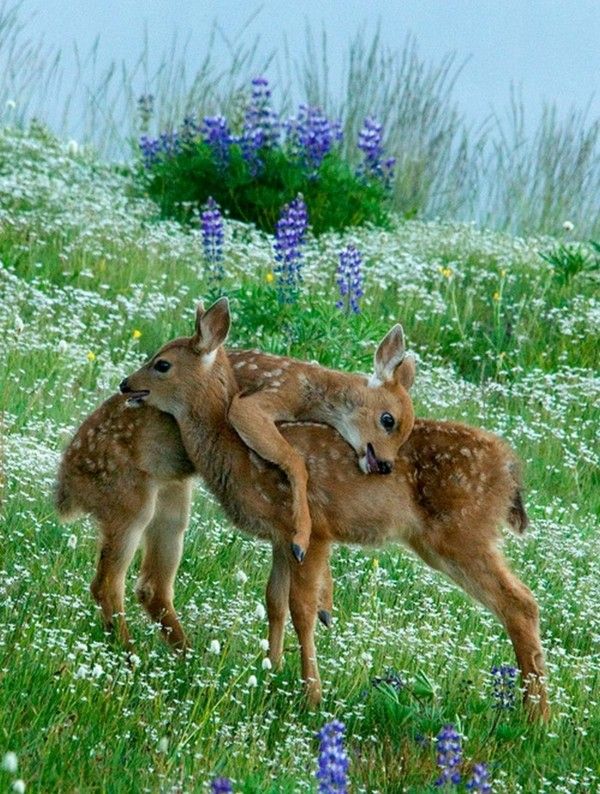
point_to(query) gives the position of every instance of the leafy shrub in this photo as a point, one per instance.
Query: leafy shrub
(568, 261)
(253, 171)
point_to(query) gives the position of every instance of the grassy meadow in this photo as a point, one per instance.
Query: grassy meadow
(91, 282)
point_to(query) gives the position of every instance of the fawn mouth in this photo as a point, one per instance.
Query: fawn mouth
(136, 398)
(373, 465)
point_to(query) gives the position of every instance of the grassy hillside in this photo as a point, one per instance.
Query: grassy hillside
(90, 283)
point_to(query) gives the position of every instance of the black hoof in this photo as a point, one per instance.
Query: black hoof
(325, 618)
(297, 552)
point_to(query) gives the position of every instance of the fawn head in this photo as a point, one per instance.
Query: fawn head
(181, 370)
(383, 418)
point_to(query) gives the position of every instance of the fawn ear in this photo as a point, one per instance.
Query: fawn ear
(404, 374)
(390, 353)
(212, 326)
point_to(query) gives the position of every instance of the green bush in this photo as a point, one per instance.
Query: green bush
(253, 173)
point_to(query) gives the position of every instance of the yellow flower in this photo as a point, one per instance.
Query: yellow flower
(501, 354)
(502, 273)
(446, 272)
(375, 563)
(91, 356)
(136, 334)
(269, 278)
(496, 296)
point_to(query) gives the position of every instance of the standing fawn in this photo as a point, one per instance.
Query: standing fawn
(374, 416)
(451, 488)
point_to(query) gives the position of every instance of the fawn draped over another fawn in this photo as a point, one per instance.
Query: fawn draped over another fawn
(450, 489)
(374, 416)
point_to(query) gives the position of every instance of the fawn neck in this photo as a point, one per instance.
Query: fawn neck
(212, 444)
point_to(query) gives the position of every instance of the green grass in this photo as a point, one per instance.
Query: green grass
(84, 265)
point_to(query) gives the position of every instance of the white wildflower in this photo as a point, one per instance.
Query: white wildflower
(214, 647)
(97, 671)
(568, 226)
(19, 324)
(62, 346)
(72, 147)
(266, 663)
(253, 681)
(10, 762)
(260, 612)
(163, 745)
(10, 104)
(72, 542)
(82, 671)
(19, 786)
(264, 645)
(240, 577)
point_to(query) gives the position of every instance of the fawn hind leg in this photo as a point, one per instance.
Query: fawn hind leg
(163, 546)
(305, 593)
(120, 537)
(326, 597)
(484, 574)
(253, 417)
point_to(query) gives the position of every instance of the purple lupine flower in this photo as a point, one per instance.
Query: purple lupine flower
(150, 150)
(370, 142)
(211, 224)
(310, 136)
(349, 279)
(449, 755)
(153, 149)
(216, 133)
(332, 772)
(290, 235)
(261, 124)
(504, 679)
(480, 780)
(221, 785)
(169, 143)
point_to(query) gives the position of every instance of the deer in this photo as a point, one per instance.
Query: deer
(375, 416)
(451, 488)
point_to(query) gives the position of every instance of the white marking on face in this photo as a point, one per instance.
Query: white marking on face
(347, 429)
(209, 358)
(374, 382)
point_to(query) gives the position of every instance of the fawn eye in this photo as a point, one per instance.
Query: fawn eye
(387, 421)
(162, 365)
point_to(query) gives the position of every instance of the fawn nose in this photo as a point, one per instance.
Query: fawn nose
(385, 467)
(124, 386)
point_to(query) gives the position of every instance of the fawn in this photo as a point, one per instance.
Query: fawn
(451, 488)
(375, 416)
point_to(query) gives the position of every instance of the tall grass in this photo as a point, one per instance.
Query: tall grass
(513, 173)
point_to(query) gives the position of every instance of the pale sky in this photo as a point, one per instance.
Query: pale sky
(551, 48)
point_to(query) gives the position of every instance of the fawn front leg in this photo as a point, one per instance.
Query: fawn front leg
(278, 595)
(253, 418)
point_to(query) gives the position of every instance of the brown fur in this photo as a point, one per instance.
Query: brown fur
(278, 389)
(451, 488)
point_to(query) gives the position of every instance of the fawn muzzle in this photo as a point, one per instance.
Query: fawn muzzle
(135, 397)
(374, 465)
